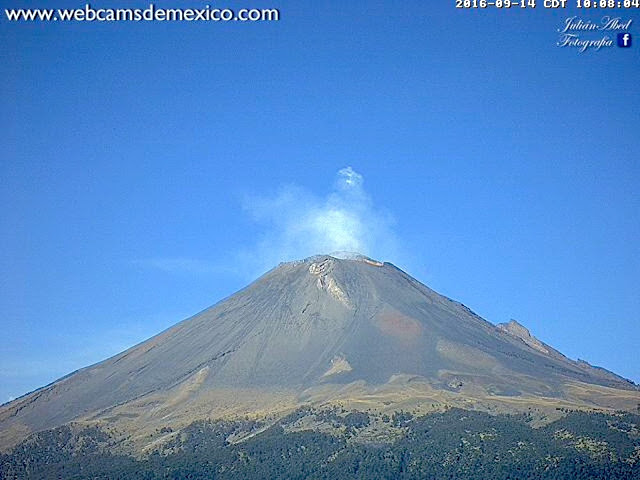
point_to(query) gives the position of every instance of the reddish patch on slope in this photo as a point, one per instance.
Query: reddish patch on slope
(399, 326)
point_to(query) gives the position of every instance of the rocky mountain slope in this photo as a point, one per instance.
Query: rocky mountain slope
(323, 331)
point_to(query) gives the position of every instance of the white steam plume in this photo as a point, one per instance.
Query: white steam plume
(300, 224)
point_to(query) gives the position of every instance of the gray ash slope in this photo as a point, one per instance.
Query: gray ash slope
(307, 324)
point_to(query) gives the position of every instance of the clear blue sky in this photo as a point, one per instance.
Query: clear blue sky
(149, 170)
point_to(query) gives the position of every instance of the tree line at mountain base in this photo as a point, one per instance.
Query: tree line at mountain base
(455, 444)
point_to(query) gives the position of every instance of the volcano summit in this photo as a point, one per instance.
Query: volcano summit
(324, 331)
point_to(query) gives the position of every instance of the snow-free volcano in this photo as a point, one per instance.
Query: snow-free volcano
(321, 330)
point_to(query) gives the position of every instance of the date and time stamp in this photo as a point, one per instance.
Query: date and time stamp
(576, 31)
(554, 4)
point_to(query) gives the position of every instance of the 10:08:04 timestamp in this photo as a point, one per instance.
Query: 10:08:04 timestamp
(608, 3)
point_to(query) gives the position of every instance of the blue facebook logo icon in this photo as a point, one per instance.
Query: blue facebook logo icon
(624, 40)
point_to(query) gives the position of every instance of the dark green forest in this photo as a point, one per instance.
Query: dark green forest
(456, 444)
